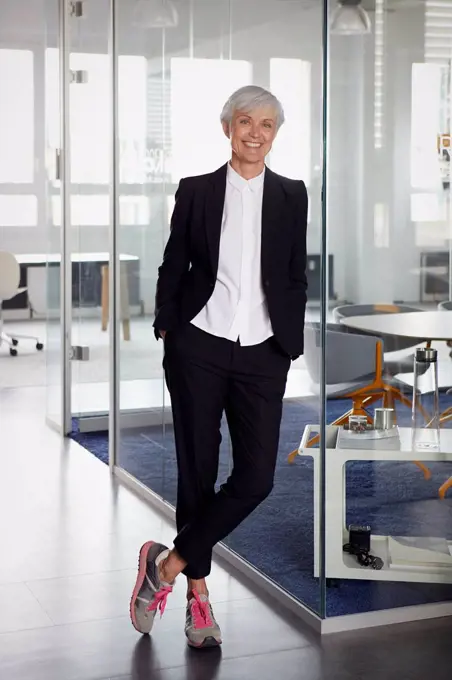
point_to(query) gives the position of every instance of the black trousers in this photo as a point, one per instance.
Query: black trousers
(207, 376)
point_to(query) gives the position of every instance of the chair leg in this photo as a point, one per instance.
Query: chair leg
(396, 394)
(124, 300)
(24, 337)
(105, 294)
(6, 338)
(444, 488)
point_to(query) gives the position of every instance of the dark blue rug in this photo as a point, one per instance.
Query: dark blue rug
(277, 539)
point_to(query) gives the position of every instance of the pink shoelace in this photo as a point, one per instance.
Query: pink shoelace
(159, 601)
(201, 612)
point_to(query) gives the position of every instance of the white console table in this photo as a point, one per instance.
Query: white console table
(340, 565)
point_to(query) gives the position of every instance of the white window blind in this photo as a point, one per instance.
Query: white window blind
(199, 90)
(290, 81)
(16, 117)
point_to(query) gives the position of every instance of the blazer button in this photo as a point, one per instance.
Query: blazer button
(267, 283)
(212, 285)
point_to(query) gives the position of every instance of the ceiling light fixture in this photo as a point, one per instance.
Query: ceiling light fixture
(155, 14)
(349, 18)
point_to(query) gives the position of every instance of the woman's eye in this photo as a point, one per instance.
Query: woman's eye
(244, 121)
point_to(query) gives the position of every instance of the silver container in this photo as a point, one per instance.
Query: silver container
(384, 419)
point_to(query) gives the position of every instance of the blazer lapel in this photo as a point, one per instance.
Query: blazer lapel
(272, 205)
(214, 214)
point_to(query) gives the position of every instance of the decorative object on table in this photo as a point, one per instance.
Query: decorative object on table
(425, 408)
(357, 423)
(359, 545)
(384, 418)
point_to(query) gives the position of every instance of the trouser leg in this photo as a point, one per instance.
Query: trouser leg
(253, 406)
(197, 381)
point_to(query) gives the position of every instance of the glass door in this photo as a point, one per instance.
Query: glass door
(57, 278)
(89, 141)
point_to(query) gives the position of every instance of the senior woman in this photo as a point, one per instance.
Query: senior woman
(230, 306)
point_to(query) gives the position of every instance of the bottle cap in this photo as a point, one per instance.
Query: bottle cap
(427, 355)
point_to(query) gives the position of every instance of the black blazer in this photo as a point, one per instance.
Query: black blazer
(187, 276)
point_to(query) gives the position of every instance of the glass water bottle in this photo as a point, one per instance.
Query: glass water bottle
(425, 410)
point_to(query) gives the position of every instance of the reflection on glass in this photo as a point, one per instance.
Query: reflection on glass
(389, 232)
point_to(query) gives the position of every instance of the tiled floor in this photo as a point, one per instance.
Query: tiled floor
(69, 538)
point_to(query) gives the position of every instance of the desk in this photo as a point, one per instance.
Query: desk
(43, 287)
(337, 563)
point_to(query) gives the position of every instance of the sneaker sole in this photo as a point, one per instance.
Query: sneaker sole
(142, 566)
(209, 643)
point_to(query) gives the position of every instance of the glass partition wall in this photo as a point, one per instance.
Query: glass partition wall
(367, 103)
(173, 81)
(389, 232)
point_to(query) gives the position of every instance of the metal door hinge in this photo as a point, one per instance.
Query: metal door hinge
(78, 77)
(76, 9)
(58, 164)
(78, 353)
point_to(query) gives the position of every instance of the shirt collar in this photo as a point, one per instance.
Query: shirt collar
(239, 182)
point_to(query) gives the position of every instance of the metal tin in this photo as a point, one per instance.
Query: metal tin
(357, 423)
(384, 419)
(426, 355)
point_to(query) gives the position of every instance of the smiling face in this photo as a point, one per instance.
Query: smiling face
(252, 135)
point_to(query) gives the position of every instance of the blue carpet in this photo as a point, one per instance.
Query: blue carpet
(393, 498)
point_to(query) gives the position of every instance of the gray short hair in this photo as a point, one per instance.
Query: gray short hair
(250, 98)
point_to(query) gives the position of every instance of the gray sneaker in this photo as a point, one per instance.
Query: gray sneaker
(150, 593)
(201, 628)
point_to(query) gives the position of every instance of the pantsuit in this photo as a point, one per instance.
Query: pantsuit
(208, 375)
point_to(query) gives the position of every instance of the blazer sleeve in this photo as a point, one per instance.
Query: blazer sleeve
(176, 261)
(297, 271)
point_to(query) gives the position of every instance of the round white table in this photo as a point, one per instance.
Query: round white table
(428, 326)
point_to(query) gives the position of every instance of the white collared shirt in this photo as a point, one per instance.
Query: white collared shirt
(237, 308)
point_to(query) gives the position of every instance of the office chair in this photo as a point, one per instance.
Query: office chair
(9, 288)
(392, 343)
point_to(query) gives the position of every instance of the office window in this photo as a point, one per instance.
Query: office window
(86, 211)
(16, 117)
(90, 117)
(18, 210)
(198, 142)
(134, 210)
(94, 211)
(429, 115)
(426, 124)
(290, 81)
(132, 119)
(89, 114)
